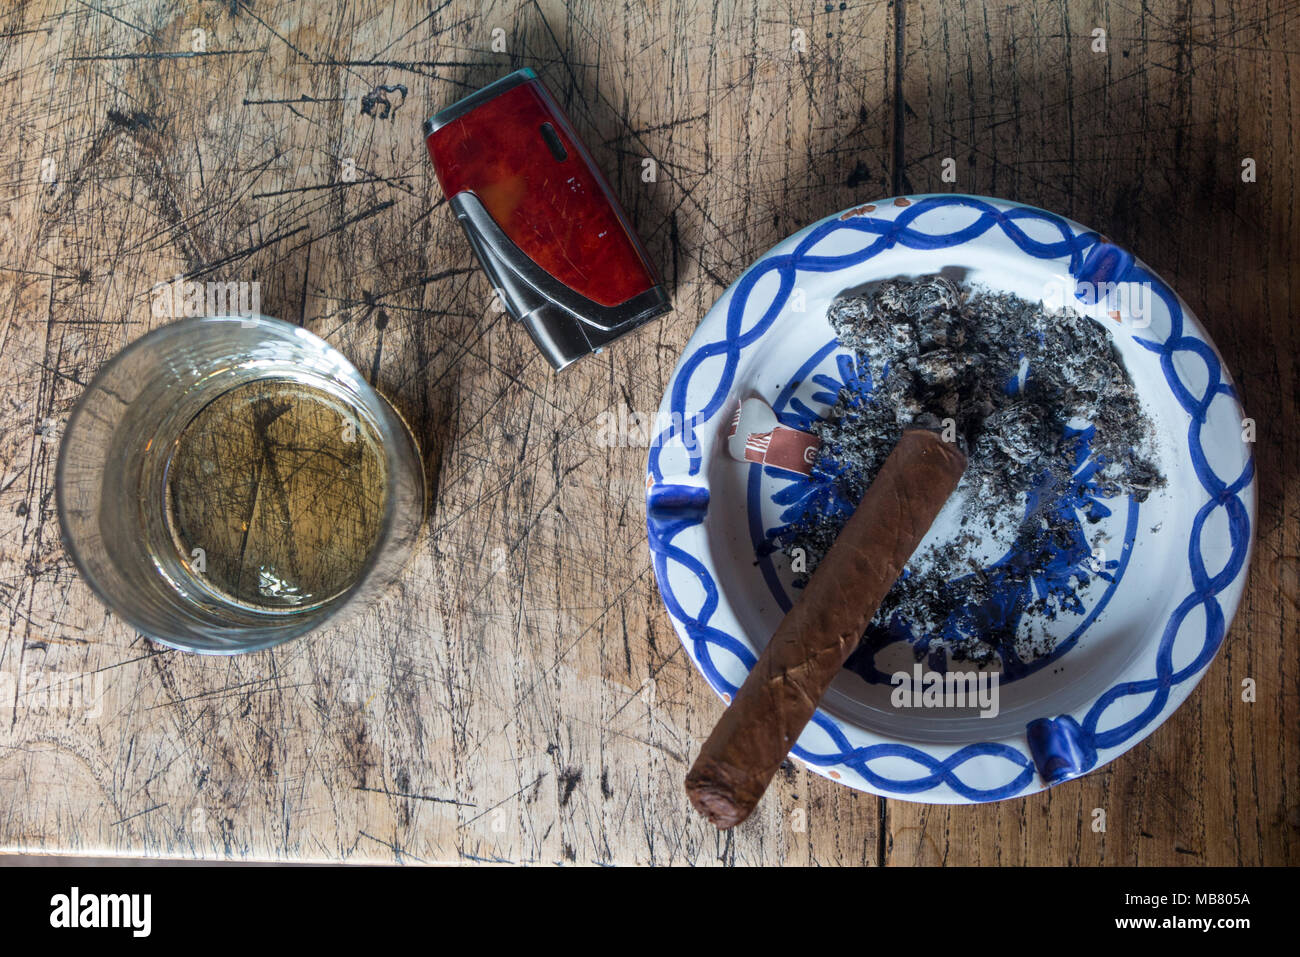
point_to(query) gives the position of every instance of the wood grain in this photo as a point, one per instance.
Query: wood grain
(521, 696)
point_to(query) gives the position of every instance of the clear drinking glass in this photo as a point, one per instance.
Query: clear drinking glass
(228, 483)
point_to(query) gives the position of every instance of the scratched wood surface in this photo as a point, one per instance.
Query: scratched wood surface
(521, 695)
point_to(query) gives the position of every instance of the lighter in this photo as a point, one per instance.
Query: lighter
(541, 218)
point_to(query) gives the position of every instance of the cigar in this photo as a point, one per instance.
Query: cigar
(823, 628)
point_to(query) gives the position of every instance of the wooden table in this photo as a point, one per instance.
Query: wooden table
(522, 696)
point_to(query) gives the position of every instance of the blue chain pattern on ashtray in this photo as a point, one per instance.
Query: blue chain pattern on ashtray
(673, 508)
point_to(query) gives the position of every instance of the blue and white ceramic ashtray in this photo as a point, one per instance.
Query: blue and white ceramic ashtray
(1158, 600)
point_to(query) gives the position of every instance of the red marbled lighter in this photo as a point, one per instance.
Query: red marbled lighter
(541, 218)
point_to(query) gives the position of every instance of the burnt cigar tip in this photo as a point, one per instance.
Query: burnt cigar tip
(716, 802)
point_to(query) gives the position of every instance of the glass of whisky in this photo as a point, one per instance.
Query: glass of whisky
(228, 483)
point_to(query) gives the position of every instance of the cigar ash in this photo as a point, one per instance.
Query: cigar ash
(1055, 435)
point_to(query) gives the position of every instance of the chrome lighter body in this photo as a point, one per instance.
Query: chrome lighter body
(542, 220)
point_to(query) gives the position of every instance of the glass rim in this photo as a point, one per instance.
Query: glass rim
(344, 599)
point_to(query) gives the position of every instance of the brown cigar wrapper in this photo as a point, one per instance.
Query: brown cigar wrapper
(811, 644)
